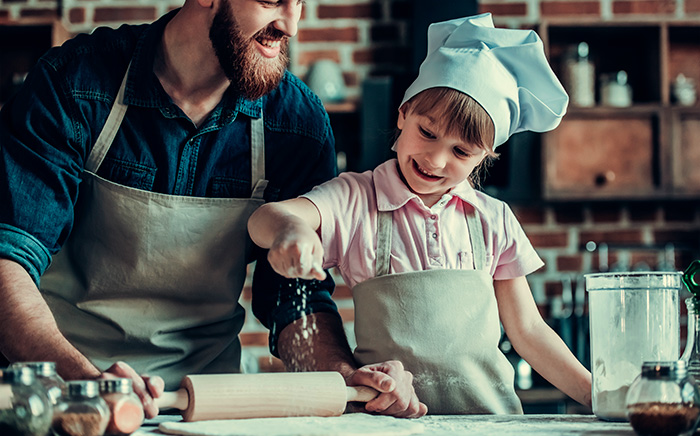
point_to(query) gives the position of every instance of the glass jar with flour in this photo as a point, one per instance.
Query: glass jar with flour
(634, 318)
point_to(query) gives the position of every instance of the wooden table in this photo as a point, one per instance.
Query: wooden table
(489, 425)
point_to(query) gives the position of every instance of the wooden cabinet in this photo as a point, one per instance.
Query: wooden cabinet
(649, 149)
(685, 147)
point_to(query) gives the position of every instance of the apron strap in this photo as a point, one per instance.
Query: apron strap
(109, 131)
(257, 156)
(476, 236)
(116, 115)
(384, 227)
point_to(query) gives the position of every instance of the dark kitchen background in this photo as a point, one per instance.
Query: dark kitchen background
(615, 187)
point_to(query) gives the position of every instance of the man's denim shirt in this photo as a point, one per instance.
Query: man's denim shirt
(48, 128)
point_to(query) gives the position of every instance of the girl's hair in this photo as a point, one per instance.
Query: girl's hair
(463, 117)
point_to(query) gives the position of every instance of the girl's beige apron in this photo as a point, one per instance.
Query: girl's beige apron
(442, 325)
(154, 279)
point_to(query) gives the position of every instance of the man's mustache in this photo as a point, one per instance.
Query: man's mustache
(270, 33)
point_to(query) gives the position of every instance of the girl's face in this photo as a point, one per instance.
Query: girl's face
(430, 161)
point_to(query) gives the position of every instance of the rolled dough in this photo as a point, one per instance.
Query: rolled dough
(351, 424)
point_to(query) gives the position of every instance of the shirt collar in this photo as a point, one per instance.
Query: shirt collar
(143, 88)
(392, 193)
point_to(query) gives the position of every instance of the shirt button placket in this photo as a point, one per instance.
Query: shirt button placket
(433, 242)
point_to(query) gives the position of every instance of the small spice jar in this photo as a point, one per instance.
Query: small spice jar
(663, 400)
(81, 411)
(47, 376)
(25, 409)
(125, 406)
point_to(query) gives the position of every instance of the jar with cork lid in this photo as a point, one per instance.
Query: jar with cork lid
(81, 411)
(126, 411)
(25, 408)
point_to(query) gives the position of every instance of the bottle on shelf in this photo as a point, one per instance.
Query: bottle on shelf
(579, 76)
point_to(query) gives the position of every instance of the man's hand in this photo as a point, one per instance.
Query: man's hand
(397, 396)
(145, 387)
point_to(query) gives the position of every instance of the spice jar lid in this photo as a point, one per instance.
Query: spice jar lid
(82, 388)
(665, 369)
(22, 375)
(45, 369)
(119, 385)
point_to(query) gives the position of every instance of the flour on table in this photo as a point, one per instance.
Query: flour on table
(351, 424)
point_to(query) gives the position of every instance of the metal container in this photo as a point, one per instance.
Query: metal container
(634, 318)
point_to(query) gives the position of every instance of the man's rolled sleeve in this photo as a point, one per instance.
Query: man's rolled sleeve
(24, 249)
(278, 301)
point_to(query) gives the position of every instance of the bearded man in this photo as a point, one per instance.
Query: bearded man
(130, 161)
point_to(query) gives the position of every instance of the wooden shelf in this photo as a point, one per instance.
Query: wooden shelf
(648, 150)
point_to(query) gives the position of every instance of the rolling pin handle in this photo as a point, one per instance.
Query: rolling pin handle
(179, 399)
(361, 393)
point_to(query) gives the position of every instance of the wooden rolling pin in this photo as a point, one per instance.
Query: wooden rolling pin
(229, 396)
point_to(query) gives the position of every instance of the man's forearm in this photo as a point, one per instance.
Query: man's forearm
(28, 331)
(316, 343)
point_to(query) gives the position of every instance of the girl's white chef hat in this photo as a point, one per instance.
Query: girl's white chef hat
(504, 70)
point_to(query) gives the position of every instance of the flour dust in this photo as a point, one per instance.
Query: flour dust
(302, 343)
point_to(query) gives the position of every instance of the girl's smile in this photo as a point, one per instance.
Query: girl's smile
(423, 173)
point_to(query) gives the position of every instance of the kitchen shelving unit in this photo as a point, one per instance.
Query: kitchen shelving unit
(649, 150)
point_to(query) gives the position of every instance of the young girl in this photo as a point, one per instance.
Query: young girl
(434, 263)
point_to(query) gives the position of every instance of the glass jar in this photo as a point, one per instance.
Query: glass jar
(579, 76)
(126, 411)
(634, 318)
(691, 353)
(25, 409)
(81, 411)
(663, 400)
(47, 376)
(684, 91)
(614, 90)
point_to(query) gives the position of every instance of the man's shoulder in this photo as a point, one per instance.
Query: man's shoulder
(97, 51)
(293, 101)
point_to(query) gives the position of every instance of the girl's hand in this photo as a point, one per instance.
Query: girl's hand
(297, 253)
(395, 384)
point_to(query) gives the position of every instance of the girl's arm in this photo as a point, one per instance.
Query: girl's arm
(537, 343)
(289, 229)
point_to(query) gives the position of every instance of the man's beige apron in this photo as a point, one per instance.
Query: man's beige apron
(442, 325)
(154, 279)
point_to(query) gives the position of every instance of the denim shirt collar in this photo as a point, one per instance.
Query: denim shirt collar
(144, 89)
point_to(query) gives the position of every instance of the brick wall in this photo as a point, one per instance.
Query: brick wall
(370, 37)
(364, 36)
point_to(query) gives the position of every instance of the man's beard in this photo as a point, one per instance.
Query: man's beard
(251, 74)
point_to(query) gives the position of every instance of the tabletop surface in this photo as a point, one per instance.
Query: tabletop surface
(449, 425)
